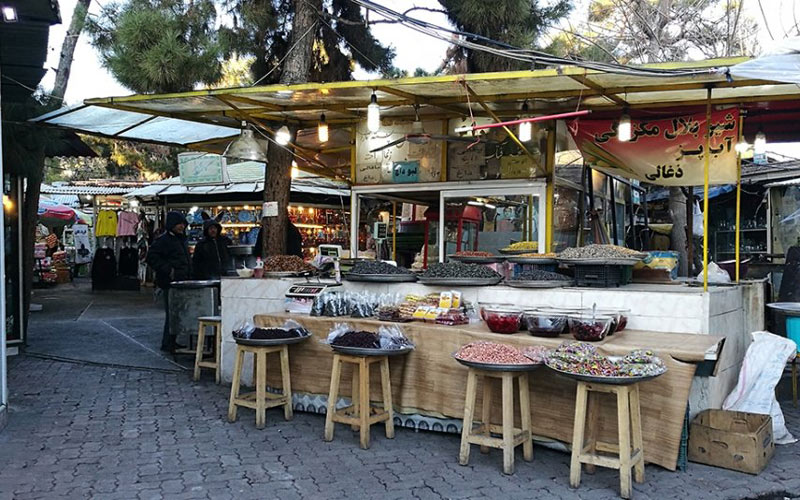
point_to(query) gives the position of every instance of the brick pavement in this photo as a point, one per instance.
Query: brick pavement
(106, 432)
(78, 431)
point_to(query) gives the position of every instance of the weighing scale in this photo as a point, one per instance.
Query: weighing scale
(300, 296)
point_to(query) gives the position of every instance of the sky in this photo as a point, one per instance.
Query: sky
(89, 79)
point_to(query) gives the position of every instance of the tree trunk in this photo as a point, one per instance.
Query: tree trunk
(68, 48)
(278, 178)
(677, 210)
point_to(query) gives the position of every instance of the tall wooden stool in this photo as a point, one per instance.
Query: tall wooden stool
(482, 435)
(260, 400)
(215, 323)
(361, 414)
(585, 446)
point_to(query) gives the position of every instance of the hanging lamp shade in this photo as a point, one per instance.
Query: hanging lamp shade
(246, 147)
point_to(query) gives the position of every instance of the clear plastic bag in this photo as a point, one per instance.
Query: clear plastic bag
(392, 337)
(337, 330)
(244, 329)
(715, 274)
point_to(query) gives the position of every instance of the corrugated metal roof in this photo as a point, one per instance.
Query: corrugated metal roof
(85, 190)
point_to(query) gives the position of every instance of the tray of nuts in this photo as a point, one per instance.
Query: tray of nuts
(477, 259)
(461, 281)
(380, 278)
(493, 356)
(600, 379)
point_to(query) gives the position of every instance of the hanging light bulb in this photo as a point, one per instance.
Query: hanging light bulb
(295, 170)
(283, 136)
(525, 128)
(760, 144)
(373, 114)
(322, 129)
(624, 127)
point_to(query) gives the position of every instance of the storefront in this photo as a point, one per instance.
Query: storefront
(425, 189)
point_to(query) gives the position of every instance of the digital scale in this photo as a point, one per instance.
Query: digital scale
(300, 296)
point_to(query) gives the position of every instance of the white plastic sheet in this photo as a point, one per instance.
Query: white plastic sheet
(781, 63)
(763, 365)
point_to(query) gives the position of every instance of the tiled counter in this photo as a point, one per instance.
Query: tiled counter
(731, 312)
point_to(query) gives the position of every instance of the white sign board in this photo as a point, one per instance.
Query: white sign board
(380, 167)
(202, 169)
(270, 209)
(83, 247)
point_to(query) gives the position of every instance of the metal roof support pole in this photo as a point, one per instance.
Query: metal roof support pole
(706, 160)
(3, 332)
(550, 169)
(739, 195)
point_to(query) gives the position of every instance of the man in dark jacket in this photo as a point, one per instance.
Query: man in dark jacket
(169, 257)
(211, 259)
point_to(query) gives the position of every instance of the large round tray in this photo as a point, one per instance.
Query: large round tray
(601, 262)
(461, 281)
(788, 308)
(532, 260)
(284, 274)
(271, 342)
(605, 380)
(516, 252)
(539, 283)
(380, 278)
(495, 259)
(493, 367)
(366, 351)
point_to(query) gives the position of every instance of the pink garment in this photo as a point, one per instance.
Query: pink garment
(126, 224)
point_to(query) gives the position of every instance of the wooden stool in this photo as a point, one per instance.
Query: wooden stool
(584, 441)
(361, 414)
(482, 435)
(215, 322)
(260, 400)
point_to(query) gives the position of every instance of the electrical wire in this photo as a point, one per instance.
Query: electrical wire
(462, 39)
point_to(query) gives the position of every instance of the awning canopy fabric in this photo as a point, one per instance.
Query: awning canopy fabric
(209, 119)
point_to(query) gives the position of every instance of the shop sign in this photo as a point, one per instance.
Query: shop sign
(269, 209)
(666, 152)
(405, 171)
(198, 169)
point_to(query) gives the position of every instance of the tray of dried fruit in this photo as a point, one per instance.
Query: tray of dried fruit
(272, 342)
(460, 281)
(599, 379)
(477, 259)
(499, 367)
(539, 283)
(371, 351)
(628, 261)
(530, 259)
(381, 278)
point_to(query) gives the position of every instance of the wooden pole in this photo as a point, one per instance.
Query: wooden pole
(706, 160)
(394, 231)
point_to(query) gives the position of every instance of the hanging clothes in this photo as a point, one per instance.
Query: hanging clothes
(126, 223)
(129, 262)
(106, 223)
(104, 269)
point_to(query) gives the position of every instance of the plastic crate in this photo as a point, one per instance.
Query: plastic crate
(602, 275)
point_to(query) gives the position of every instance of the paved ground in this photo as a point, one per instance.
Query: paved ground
(79, 430)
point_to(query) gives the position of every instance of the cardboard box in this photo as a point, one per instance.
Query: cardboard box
(732, 440)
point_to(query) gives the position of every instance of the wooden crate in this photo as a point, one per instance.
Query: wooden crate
(732, 440)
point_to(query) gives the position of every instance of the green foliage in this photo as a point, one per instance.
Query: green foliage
(262, 28)
(159, 45)
(516, 22)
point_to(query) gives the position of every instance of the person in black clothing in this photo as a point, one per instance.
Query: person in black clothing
(211, 259)
(169, 257)
(294, 242)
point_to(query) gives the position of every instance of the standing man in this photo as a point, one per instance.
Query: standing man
(169, 257)
(211, 260)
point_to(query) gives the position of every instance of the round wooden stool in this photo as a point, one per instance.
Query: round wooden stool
(585, 446)
(260, 400)
(215, 323)
(482, 435)
(361, 414)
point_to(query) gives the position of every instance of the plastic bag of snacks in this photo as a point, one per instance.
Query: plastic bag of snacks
(392, 337)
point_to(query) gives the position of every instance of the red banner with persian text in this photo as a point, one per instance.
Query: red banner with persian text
(667, 152)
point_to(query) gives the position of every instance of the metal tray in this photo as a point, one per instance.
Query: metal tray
(271, 342)
(284, 274)
(788, 308)
(605, 380)
(461, 281)
(516, 252)
(493, 367)
(380, 278)
(601, 262)
(366, 351)
(495, 259)
(532, 260)
(539, 283)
